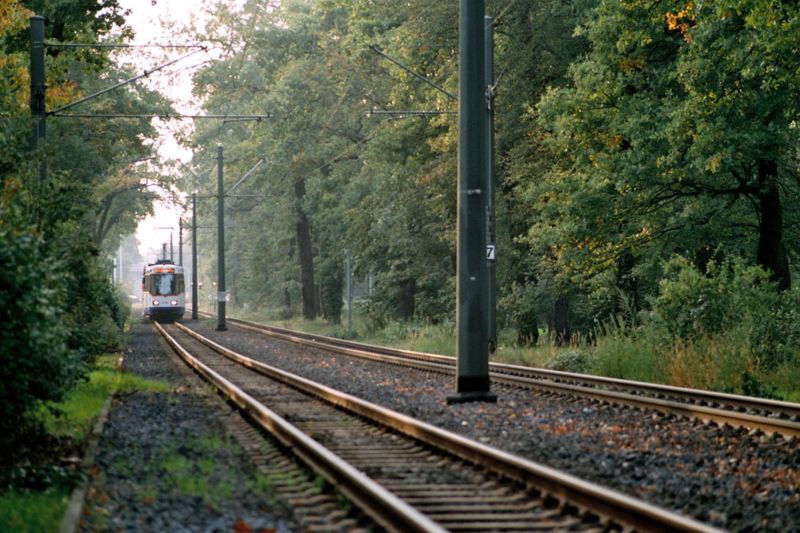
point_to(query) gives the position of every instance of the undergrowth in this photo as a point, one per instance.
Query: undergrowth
(36, 485)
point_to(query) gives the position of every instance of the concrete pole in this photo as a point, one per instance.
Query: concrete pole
(491, 234)
(221, 293)
(38, 92)
(180, 241)
(194, 256)
(472, 353)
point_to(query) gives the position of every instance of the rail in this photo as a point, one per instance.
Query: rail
(620, 508)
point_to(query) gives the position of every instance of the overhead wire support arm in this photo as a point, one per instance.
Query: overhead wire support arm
(439, 88)
(122, 83)
(247, 175)
(372, 112)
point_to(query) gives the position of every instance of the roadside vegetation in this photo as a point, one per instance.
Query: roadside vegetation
(35, 489)
(64, 207)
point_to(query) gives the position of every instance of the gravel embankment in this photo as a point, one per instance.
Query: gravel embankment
(165, 461)
(722, 476)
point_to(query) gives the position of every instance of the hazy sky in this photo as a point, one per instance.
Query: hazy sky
(147, 20)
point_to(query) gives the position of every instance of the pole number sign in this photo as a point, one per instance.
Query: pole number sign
(490, 252)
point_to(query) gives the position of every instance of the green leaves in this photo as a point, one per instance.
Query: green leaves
(35, 364)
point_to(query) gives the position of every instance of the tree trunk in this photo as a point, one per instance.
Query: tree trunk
(407, 299)
(771, 254)
(305, 253)
(561, 326)
(628, 285)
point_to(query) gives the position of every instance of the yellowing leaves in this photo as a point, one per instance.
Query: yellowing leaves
(630, 64)
(15, 82)
(59, 95)
(13, 17)
(714, 163)
(683, 21)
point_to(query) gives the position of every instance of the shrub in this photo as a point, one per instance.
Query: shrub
(727, 329)
(35, 363)
(570, 361)
(731, 300)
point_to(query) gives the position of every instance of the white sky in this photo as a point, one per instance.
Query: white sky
(147, 19)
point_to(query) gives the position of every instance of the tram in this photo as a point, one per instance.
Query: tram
(163, 291)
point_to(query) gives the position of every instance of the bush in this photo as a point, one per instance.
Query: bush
(570, 361)
(93, 314)
(727, 329)
(35, 363)
(731, 300)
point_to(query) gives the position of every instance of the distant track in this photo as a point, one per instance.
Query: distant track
(406, 474)
(769, 416)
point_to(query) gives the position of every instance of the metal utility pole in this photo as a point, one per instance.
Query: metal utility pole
(349, 279)
(472, 351)
(220, 245)
(180, 241)
(163, 251)
(38, 91)
(171, 249)
(194, 256)
(491, 235)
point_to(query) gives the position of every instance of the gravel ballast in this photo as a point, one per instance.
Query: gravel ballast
(729, 478)
(165, 461)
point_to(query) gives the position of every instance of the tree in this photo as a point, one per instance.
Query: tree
(677, 135)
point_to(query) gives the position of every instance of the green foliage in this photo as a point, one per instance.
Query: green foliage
(677, 134)
(73, 416)
(92, 314)
(33, 512)
(726, 329)
(570, 361)
(58, 307)
(626, 133)
(36, 362)
(729, 299)
(35, 493)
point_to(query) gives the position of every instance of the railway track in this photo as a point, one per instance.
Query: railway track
(758, 414)
(405, 474)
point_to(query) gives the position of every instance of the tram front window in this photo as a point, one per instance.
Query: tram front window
(165, 284)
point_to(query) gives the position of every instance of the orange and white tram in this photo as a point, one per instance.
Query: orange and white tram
(163, 291)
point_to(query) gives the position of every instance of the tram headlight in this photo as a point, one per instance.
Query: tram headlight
(174, 302)
(155, 302)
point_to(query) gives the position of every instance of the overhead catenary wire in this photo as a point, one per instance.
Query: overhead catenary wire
(122, 83)
(171, 116)
(52, 44)
(439, 88)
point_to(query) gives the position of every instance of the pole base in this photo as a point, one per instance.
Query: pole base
(472, 396)
(222, 328)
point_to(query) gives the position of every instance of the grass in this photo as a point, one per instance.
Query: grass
(33, 511)
(42, 509)
(74, 416)
(194, 477)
